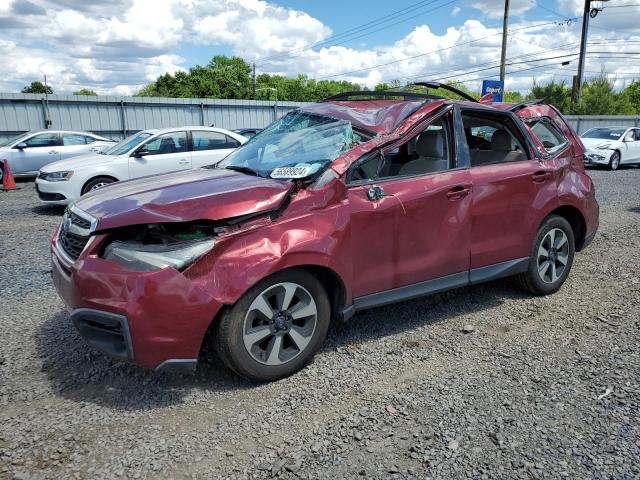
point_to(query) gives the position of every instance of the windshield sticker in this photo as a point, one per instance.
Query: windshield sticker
(301, 171)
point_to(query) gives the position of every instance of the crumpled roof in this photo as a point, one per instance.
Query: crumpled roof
(378, 116)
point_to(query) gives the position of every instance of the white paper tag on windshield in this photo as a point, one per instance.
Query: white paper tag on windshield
(292, 172)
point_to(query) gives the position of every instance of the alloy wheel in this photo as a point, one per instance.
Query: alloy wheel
(615, 161)
(280, 323)
(553, 255)
(98, 185)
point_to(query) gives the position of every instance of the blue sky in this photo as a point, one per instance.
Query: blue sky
(119, 46)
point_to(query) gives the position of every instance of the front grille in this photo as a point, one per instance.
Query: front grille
(72, 238)
(50, 197)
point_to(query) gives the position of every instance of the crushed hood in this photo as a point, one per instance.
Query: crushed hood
(209, 194)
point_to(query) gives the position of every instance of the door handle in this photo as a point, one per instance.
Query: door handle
(541, 176)
(458, 192)
(375, 193)
(52, 152)
(184, 161)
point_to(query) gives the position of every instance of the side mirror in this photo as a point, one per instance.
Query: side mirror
(21, 146)
(141, 153)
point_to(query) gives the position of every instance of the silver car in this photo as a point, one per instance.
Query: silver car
(30, 151)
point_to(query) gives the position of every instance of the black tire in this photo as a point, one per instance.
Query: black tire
(95, 183)
(532, 280)
(229, 333)
(614, 161)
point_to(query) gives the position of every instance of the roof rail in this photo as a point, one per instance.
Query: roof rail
(520, 106)
(444, 86)
(380, 93)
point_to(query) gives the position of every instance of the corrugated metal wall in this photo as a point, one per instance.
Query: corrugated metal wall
(582, 123)
(116, 117)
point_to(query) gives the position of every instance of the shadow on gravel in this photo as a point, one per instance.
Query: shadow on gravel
(635, 209)
(408, 315)
(49, 210)
(77, 372)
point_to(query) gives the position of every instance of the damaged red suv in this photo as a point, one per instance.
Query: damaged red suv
(340, 206)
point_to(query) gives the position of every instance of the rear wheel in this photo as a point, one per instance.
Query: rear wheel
(276, 328)
(96, 183)
(551, 257)
(614, 161)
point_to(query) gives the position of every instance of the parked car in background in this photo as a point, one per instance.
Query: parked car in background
(28, 152)
(248, 132)
(144, 153)
(338, 207)
(612, 147)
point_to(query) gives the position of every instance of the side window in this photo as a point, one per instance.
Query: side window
(204, 140)
(69, 139)
(88, 139)
(428, 152)
(549, 135)
(43, 140)
(492, 139)
(174, 142)
(632, 136)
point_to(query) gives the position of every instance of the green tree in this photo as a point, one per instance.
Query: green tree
(38, 87)
(555, 93)
(85, 91)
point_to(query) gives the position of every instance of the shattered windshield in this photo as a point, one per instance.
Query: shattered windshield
(604, 133)
(298, 145)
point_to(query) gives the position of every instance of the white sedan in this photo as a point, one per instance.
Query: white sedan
(30, 151)
(144, 153)
(612, 146)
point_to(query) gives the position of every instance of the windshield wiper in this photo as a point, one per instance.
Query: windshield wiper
(241, 169)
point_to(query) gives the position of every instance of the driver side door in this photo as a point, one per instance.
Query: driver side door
(632, 147)
(162, 154)
(42, 149)
(410, 219)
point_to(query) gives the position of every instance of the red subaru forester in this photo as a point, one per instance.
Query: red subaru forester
(359, 201)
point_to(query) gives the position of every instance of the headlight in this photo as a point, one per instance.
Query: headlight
(603, 146)
(56, 176)
(145, 258)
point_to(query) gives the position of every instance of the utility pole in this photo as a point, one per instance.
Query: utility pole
(578, 79)
(505, 28)
(253, 77)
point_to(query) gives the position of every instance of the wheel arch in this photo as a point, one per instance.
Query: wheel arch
(111, 177)
(577, 221)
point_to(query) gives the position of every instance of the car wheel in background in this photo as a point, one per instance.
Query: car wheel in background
(96, 183)
(276, 328)
(551, 257)
(614, 161)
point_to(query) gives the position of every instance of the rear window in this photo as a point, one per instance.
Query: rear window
(549, 135)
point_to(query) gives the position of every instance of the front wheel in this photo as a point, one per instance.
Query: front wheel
(96, 183)
(276, 328)
(614, 161)
(551, 257)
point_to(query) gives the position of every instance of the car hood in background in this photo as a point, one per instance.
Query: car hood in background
(212, 194)
(81, 161)
(594, 142)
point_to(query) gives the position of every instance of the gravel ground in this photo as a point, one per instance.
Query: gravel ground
(536, 387)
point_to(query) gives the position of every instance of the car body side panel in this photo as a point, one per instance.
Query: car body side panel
(313, 231)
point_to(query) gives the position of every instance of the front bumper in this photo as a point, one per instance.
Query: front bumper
(51, 192)
(152, 319)
(597, 157)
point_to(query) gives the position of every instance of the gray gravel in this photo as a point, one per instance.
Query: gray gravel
(536, 387)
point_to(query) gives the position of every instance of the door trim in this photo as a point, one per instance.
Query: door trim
(441, 284)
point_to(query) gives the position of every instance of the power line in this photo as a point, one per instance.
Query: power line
(432, 52)
(348, 33)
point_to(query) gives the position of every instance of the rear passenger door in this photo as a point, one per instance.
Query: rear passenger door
(510, 187)
(209, 147)
(74, 144)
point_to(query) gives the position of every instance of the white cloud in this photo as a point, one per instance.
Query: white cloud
(119, 49)
(456, 10)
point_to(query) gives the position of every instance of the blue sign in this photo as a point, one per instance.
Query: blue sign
(494, 87)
